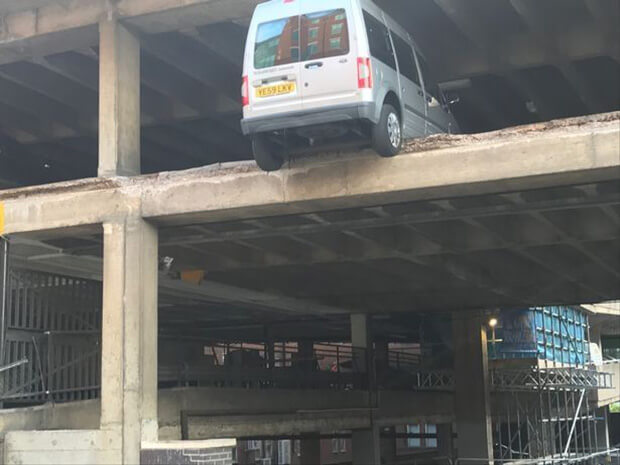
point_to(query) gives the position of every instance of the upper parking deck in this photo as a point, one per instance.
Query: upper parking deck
(515, 62)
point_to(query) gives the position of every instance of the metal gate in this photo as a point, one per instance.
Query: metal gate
(50, 342)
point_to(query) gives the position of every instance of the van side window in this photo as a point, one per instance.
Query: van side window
(324, 34)
(429, 82)
(379, 40)
(406, 60)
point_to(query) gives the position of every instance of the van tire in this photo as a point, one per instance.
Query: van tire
(265, 154)
(382, 131)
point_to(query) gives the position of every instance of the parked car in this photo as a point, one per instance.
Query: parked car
(334, 71)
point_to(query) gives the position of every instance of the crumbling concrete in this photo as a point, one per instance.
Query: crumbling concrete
(577, 151)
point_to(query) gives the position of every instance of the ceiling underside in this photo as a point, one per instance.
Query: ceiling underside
(526, 60)
(551, 246)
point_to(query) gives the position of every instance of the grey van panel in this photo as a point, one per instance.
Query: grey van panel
(380, 99)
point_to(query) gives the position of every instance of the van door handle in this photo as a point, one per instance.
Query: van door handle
(316, 64)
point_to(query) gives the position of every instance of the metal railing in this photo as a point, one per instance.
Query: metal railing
(532, 379)
(283, 366)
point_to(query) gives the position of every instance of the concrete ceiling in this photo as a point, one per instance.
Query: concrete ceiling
(526, 61)
(305, 272)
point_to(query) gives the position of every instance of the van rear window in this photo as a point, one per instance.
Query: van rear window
(277, 43)
(311, 36)
(324, 34)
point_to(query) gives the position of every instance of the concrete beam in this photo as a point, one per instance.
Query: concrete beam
(566, 152)
(10, 6)
(54, 260)
(56, 26)
(216, 405)
(536, 22)
(524, 51)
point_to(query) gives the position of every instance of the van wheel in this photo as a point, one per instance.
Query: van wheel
(265, 154)
(387, 134)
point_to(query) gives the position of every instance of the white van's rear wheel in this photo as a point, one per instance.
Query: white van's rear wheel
(265, 154)
(387, 134)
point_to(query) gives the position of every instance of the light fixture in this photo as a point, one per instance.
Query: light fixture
(493, 322)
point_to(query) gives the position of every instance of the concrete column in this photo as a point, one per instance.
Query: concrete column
(388, 445)
(445, 441)
(360, 340)
(381, 360)
(472, 400)
(310, 448)
(366, 445)
(129, 334)
(305, 352)
(119, 100)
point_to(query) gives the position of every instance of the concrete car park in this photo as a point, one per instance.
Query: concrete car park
(159, 291)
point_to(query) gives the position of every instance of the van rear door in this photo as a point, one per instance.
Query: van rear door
(275, 80)
(328, 53)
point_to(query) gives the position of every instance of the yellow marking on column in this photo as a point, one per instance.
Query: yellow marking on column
(1, 218)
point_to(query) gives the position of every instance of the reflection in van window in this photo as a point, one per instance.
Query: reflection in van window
(327, 34)
(406, 61)
(379, 40)
(277, 43)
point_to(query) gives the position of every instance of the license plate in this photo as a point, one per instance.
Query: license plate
(278, 89)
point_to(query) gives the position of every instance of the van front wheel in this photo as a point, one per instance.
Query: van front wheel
(387, 134)
(265, 154)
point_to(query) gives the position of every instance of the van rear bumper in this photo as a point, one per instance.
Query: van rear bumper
(356, 111)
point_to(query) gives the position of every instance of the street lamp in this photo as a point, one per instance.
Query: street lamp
(492, 325)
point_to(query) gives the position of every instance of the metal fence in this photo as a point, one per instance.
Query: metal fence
(53, 324)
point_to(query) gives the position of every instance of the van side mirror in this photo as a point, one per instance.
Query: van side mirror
(452, 98)
(433, 102)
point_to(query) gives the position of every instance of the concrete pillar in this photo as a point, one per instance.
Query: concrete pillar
(119, 100)
(366, 445)
(305, 352)
(271, 354)
(472, 400)
(388, 445)
(381, 361)
(310, 448)
(129, 334)
(445, 442)
(360, 340)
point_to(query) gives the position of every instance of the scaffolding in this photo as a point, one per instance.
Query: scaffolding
(547, 416)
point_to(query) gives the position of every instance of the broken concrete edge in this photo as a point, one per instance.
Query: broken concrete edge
(425, 144)
(439, 141)
(235, 191)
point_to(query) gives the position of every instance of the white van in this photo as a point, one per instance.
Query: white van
(335, 72)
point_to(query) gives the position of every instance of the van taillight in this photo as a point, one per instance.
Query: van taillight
(245, 92)
(364, 73)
